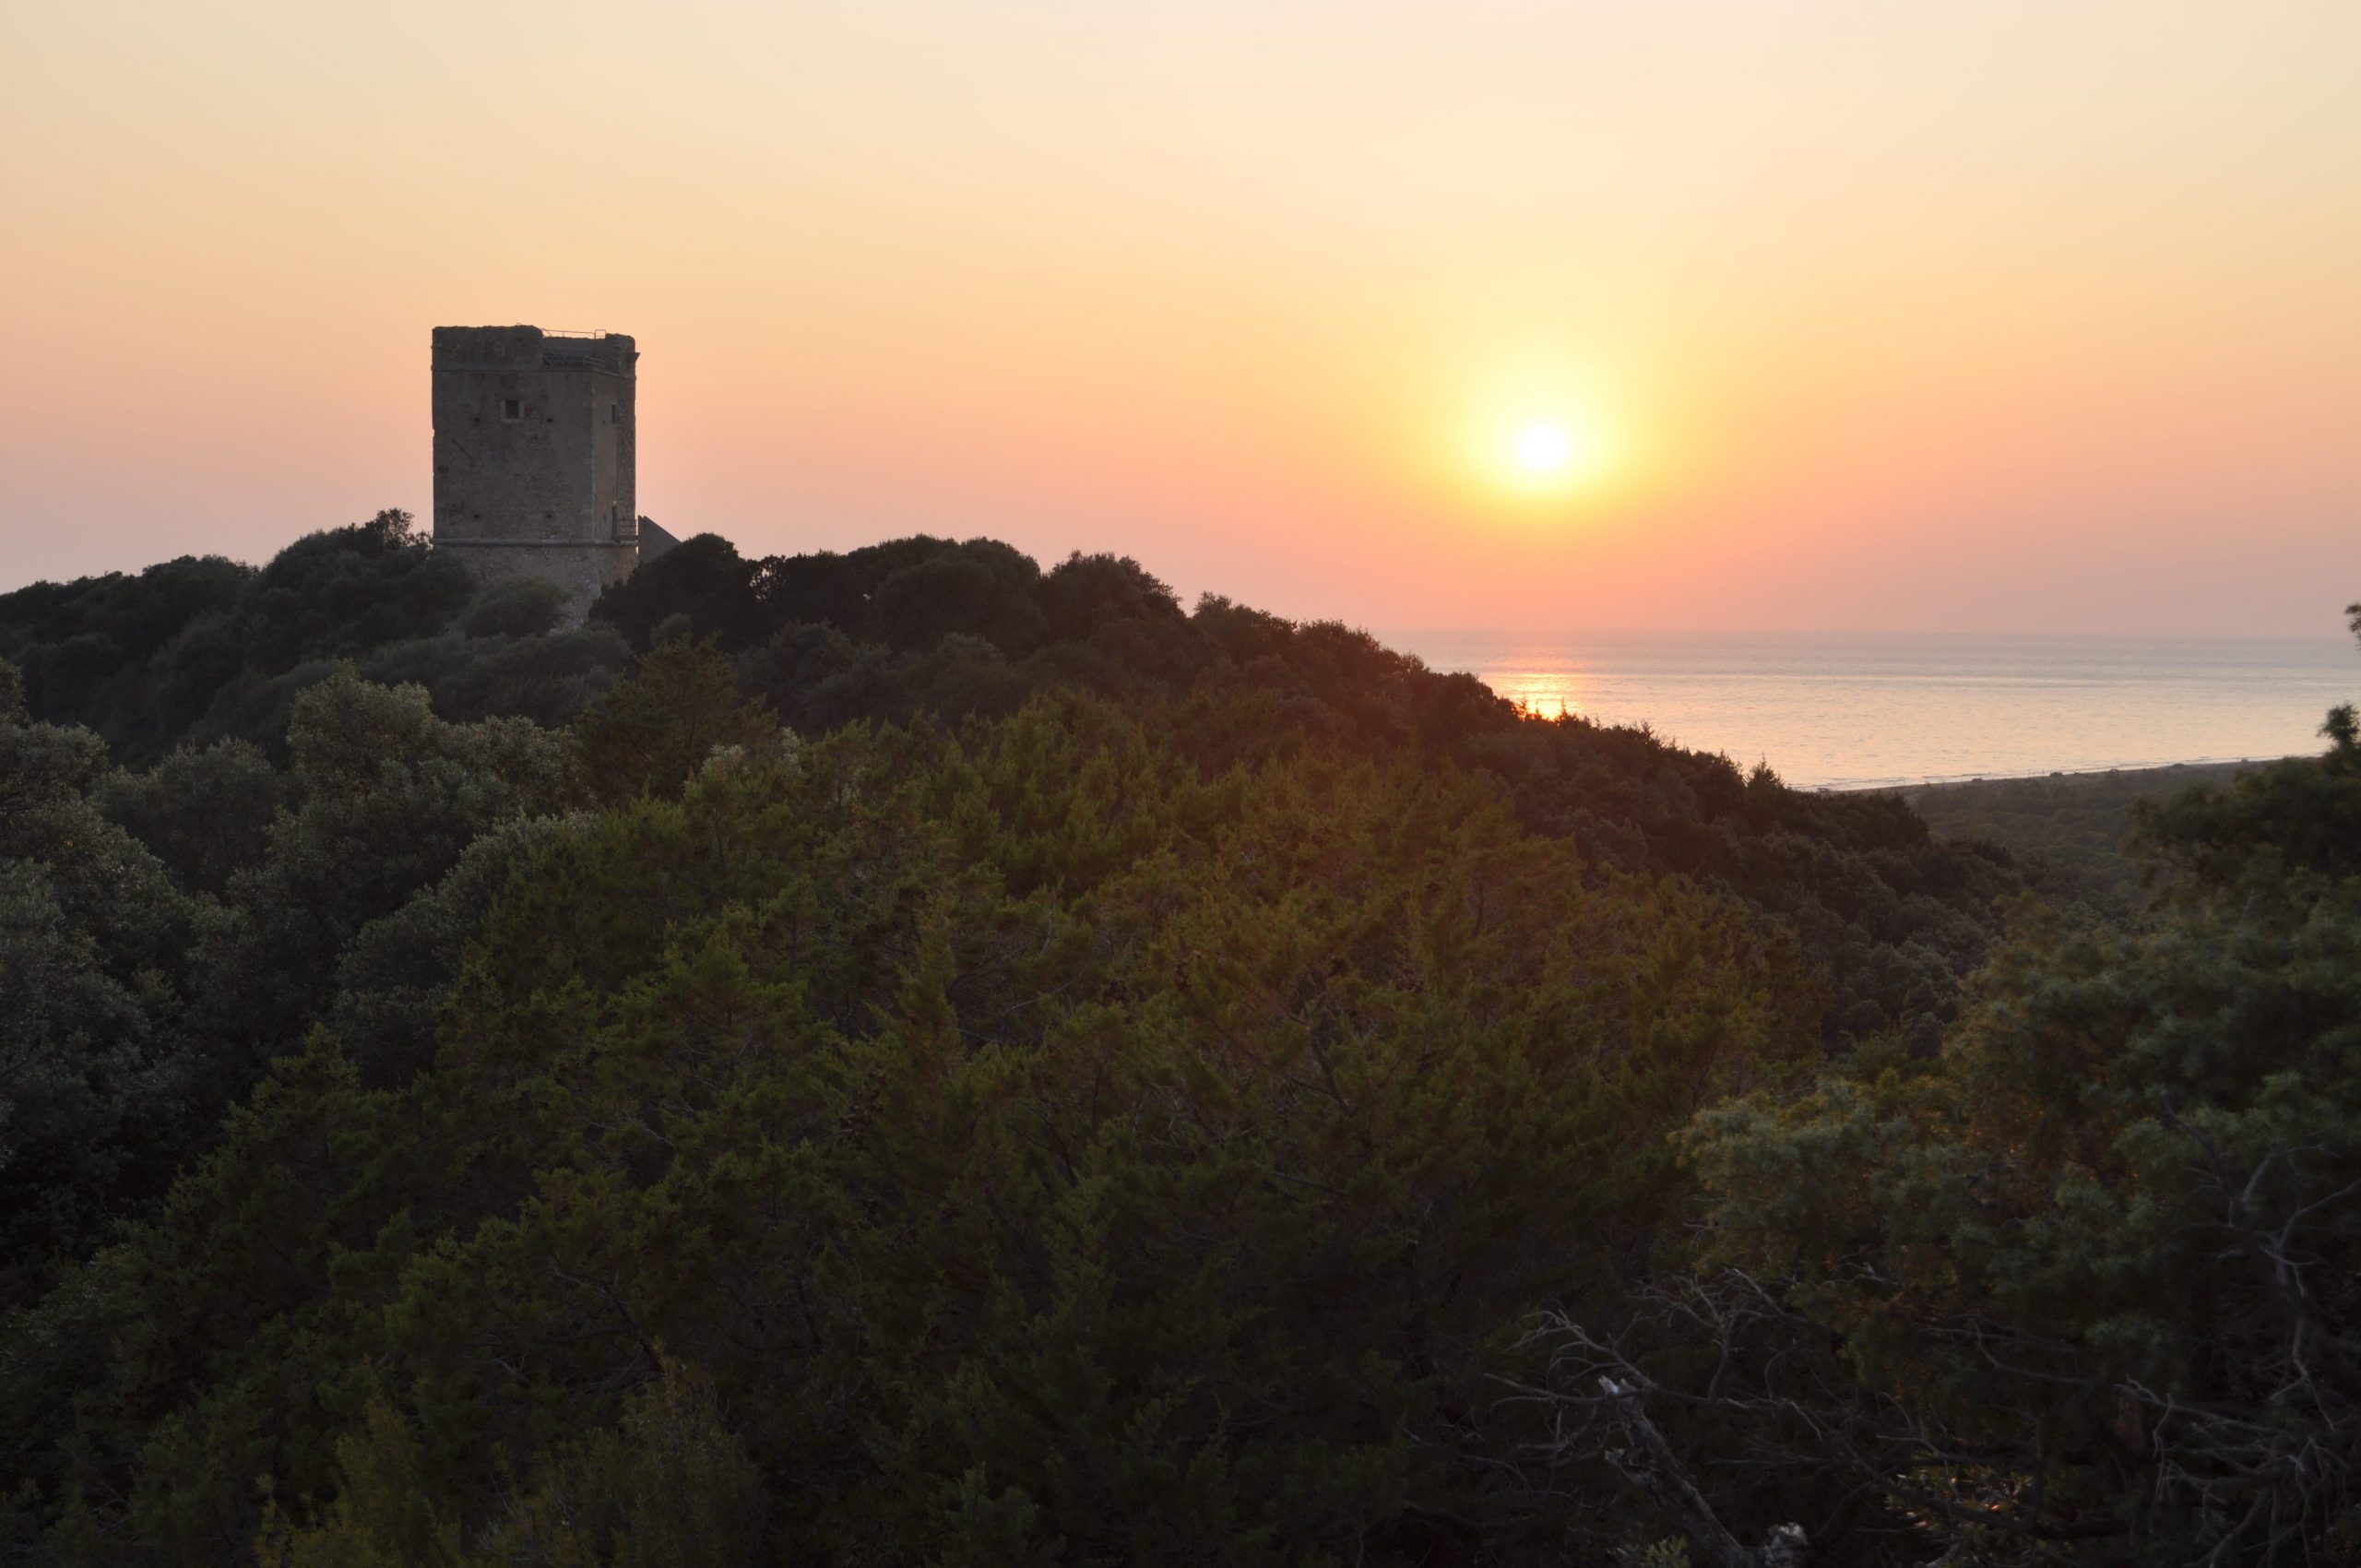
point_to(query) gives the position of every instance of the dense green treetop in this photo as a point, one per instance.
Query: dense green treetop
(2071, 831)
(928, 629)
(96, 980)
(197, 651)
(1033, 1146)
(909, 1056)
(2087, 1284)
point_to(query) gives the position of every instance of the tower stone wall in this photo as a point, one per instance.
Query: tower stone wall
(534, 455)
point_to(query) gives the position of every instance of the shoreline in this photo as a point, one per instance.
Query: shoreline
(2168, 772)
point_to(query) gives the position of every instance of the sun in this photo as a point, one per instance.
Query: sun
(1539, 447)
(1543, 447)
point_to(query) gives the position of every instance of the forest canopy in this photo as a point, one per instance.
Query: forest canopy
(905, 1055)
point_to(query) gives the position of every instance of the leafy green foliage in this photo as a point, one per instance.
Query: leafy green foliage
(204, 650)
(669, 1489)
(919, 629)
(146, 988)
(1034, 1145)
(1109, 1084)
(92, 652)
(94, 977)
(204, 812)
(657, 727)
(387, 800)
(702, 578)
(2072, 831)
(2108, 1241)
(2093, 1269)
(925, 628)
(520, 607)
(2303, 816)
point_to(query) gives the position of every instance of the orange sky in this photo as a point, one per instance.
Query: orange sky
(1991, 316)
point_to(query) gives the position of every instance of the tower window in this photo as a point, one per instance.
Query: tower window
(614, 413)
(512, 409)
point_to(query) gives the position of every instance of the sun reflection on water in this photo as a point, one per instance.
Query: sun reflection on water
(1544, 693)
(1853, 711)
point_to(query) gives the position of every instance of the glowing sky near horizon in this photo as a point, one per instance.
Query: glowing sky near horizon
(1961, 316)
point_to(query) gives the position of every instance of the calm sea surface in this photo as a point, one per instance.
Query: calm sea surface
(1857, 712)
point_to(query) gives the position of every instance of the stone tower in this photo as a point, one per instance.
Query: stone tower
(534, 455)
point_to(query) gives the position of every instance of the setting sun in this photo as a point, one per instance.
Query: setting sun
(1543, 447)
(1542, 457)
(1537, 428)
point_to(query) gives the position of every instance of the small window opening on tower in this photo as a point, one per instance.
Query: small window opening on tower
(512, 409)
(614, 413)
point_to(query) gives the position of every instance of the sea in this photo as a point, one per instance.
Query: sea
(1881, 711)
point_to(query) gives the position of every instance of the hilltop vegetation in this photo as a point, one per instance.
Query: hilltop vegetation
(203, 649)
(903, 1056)
(2073, 831)
(925, 629)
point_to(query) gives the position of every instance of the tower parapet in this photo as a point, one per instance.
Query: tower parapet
(535, 455)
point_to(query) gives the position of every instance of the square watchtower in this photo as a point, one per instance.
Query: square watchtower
(534, 455)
